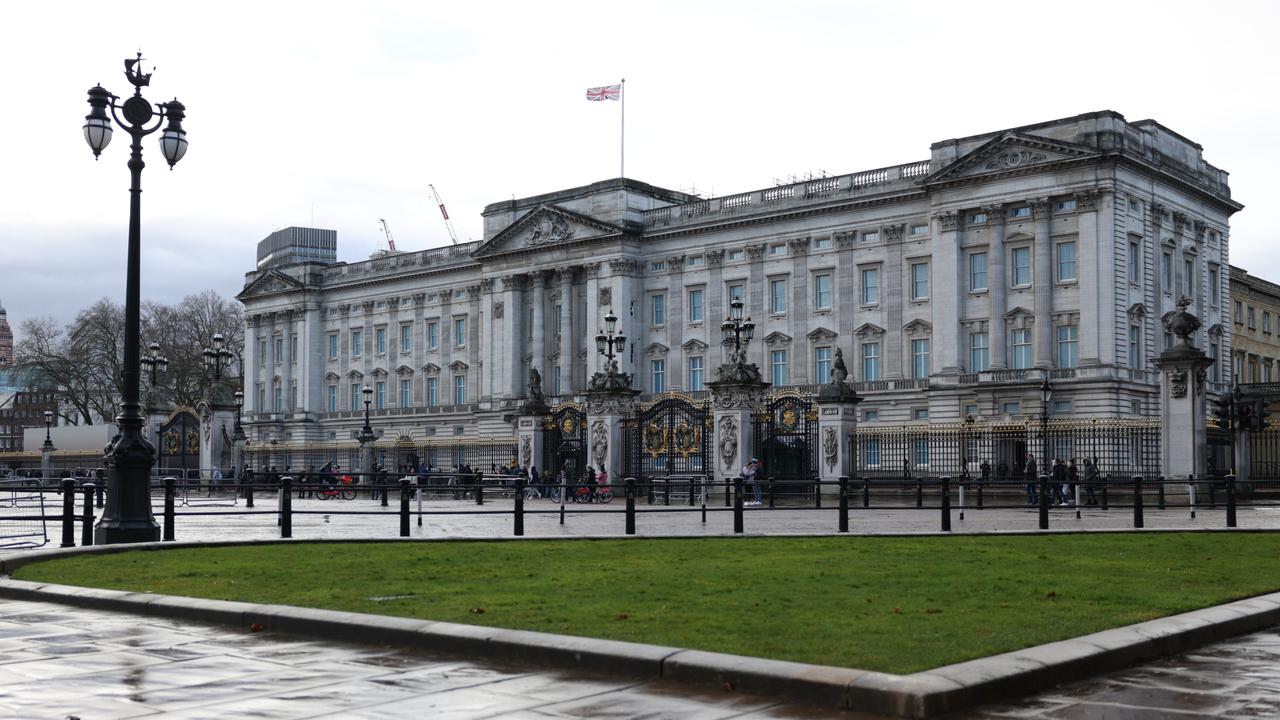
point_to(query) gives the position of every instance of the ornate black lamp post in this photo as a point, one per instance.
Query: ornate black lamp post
(154, 365)
(130, 457)
(216, 359)
(48, 425)
(610, 343)
(738, 331)
(366, 433)
(238, 438)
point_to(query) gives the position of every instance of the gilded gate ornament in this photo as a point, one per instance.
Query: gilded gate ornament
(655, 439)
(687, 439)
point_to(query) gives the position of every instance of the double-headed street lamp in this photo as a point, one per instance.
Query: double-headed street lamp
(1046, 394)
(610, 342)
(154, 364)
(127, 516)
(736, 330)
(366, 433)
(217, 358)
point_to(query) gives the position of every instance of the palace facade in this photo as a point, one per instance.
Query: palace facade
(951, 287)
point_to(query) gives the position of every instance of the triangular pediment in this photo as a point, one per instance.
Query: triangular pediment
(657, 349)
(1011, 152)
(332, 376)
(546, 225)
(694, 345)
(821, 334)
(458, 366)
(917, 327)
(431, 369)
(776, 338)
(1019, 312)
(404, 370)
(866, 330)
(272, 282)
(355, 375)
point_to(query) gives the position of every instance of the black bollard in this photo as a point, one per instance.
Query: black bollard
(564, 497)
(518, 510)
(1160, 493)
(817, 492)
(68, 512)
(1105, 484)
(168, 509)
(844, 504)
(979, 498)
(248, 495)
(1137, 501)
(771, 495)
(946, 503)
(666, 491)
(479, 493)
(1044, 502)
(286, 507)
(728, 493)
(381, 483)
(631, 506)
(86, 517)
(737, 505)
(866, 493)
(405, 493)
(1231, 500)
(102, 494)
(919, 494)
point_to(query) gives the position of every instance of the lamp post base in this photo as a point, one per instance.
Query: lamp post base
(127, 517)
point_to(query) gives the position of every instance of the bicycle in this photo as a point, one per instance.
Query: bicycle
(582, 494)
(343, 489)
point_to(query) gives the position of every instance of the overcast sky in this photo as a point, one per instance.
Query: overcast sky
(337, 114)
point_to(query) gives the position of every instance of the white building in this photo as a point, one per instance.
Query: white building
(950, 285)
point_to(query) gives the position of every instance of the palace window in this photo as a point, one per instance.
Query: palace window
(1068, 346)
(695, 374)
(871, 286)
(380, 340)
(918, 230)
(1020, 347)
(433, 335)
(331, 400)
(433, 391)
(871, 361)
(979, 352)
(406, 393)
(777, 297)
(279, 346)
(822, 292)
(1135, 262)
(1020, 212)
(1021, 266)
(459, 332)
(695, 305)
(1066, 262)
(920, 358)
(1166, 271)
(778, 367)
(1188, 277)
(406, 338)
(919, 281)
(1066, 205)
(977, 218)
(978, 271)
(459, 389)
(822, 365)
(658, 308)
(658, 375)
(380, 395)
(357, 343)
(355, 396)
(871, 236)
(333, 346)
(1135, 346)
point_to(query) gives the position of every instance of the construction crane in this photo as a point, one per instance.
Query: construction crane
(448, 224)
(391, 241)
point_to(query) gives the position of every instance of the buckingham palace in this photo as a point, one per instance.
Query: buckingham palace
(948, 286)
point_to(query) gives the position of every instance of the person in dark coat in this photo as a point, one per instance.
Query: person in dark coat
(1030, 477)
(1059, 480)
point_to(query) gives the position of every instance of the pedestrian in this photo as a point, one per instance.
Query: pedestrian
(985, 473)
(751, 478)
(1073, 477)
(1030, 478)
(216, 480)
(1059, 481)
(535, 481)
(1091, 481)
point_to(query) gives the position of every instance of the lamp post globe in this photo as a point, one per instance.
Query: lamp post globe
(127, 515)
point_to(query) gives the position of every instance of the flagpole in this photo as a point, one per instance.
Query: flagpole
(622, 154)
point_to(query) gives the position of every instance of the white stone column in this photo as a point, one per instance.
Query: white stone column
(629, 308)
(593, 319)
(948, 292)
(1091, 258)
(251, 376)
(529, 440)
(1044, 282)
(568, 349)
(998, 285)
(539, 361)
(311, 364)
(1182, 411)
(734, 438)
(606, 415)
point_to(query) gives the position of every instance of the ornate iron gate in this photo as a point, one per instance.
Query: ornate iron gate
(179, 442)
(785, 434)
(564, 441)
(670, 436)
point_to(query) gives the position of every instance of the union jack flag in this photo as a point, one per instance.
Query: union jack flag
(608, 92)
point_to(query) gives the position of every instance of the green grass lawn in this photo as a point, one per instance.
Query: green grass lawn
(892, 604)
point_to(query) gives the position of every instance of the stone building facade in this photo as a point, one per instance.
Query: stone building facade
(1255, 322)
(951, 286)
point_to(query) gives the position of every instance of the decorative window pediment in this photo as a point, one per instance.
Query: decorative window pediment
(332, 377)
(1019, 318)
(868, 330)
(1015, 237)
(1215, 331)
(775, 338)
(379, 373)
(355, 375)
(656, 350)
(431, 369)
(458, 366)
(404, 370)
(821, 335)
(1137, 311)
(918, 328)
(694, 345)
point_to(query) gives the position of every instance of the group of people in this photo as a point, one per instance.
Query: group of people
(1063, 479)
(541, 484)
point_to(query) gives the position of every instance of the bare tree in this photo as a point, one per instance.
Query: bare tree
(84, 361)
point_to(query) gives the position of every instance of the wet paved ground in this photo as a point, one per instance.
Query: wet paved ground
(57, 662)
(1235, 679)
